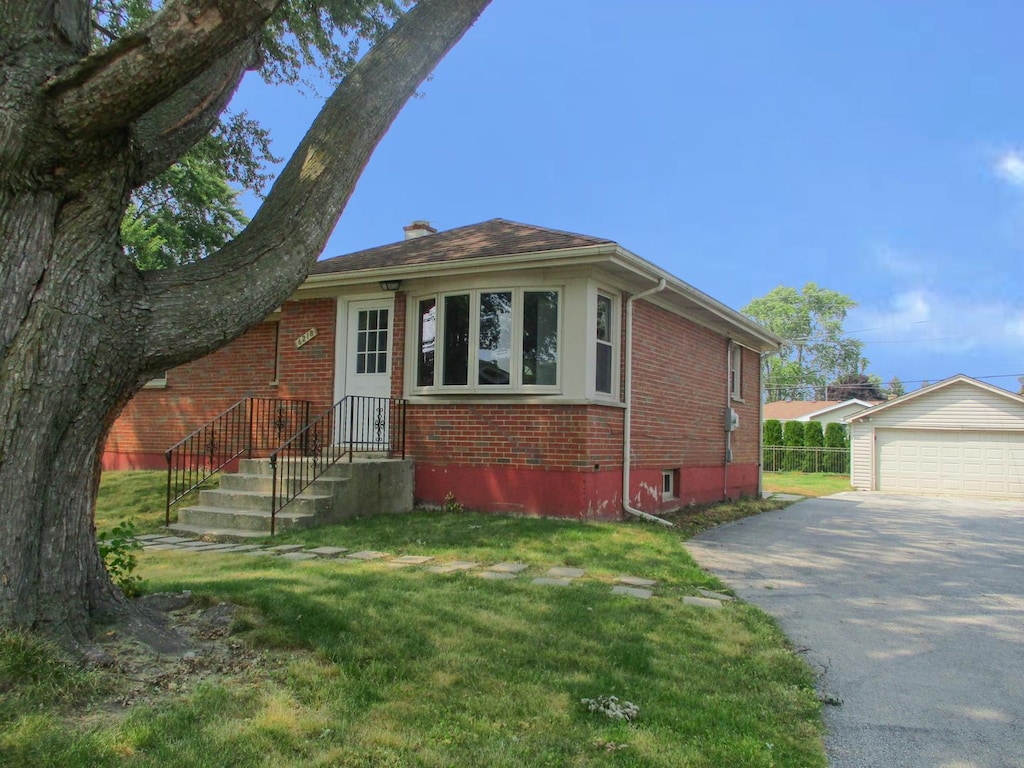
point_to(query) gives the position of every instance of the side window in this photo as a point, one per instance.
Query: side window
(605, 344)
(736, 372)
(426, 342)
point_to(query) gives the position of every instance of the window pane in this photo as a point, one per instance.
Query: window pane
(428, 334)
(604, 318)
(603, 382)
(455, 368)
(495, 351)
(540, 338)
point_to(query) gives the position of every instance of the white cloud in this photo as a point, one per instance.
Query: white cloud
(1010, 167)
(901, 263)
(942, 322)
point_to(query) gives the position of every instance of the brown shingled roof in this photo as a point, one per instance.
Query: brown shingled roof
(495, 237)
(793, 409)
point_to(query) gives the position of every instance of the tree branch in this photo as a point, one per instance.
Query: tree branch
(113, 87)
(170, 129)
(237, 287)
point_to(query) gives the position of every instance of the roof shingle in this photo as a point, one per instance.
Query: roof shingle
(495, 237)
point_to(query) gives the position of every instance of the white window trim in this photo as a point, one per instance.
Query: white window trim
(670, 493)
(515, 385)
(615, 336)
(736, 372)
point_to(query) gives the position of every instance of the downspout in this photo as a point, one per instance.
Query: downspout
(627, 415)
(760, 430)
(728, 429)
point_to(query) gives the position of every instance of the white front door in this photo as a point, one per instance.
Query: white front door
(368, 371)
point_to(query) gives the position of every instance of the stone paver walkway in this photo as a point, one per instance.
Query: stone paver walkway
(558, 576)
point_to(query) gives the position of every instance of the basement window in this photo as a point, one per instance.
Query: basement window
(668, 484)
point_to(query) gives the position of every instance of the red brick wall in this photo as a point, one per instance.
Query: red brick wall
(680, 375)
(398, 347)
(155, 419)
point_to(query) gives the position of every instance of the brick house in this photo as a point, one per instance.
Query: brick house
(532, 361)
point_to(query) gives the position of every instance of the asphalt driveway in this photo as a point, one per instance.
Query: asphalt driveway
(912, 610)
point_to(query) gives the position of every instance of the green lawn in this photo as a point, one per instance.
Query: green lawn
(806, 483)
(366, 665)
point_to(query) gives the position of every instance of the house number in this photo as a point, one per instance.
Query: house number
(307, 336)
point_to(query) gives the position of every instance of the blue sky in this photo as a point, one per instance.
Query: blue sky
(876, 148)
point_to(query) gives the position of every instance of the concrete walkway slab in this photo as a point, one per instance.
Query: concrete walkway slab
(638, 592)
(455, 565)
(366, 554)
(546, 581)
(328, 551)
(508, 567)
(565, 573)
(636, 581)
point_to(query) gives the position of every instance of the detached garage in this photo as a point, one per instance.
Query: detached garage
(960, 436)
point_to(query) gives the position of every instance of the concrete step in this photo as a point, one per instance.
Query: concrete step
(262, 467)
(324, 485)
(306, 503)
(252, 520)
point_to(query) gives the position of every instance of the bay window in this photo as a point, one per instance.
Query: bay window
(489, 340)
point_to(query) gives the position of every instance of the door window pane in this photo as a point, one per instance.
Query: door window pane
(540, 338)
(456, 340)
(494, 355)
(372, 341)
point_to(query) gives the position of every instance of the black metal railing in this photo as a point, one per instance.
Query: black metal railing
(252, 425)
(352, 425)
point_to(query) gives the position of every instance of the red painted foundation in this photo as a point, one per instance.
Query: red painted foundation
(577, 495)
(137, 460)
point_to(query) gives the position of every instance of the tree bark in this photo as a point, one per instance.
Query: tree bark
(81, 329)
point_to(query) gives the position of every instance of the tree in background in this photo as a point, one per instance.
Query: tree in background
(861, 386)
(895, 387)
(813, 438)
(815, 350)
(793, 438)
(836, 437)
(771, 438)
(86, 125)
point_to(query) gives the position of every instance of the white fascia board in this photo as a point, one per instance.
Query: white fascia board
(503, 262)
(837, 406)
(960, 378)
(769, 342)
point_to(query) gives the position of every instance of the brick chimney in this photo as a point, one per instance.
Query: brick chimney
(418, 228)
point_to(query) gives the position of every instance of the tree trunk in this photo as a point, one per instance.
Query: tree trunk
(67, 361)
(81, 329)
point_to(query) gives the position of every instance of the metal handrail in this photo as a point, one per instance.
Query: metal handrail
(353, 424)
(253, 424)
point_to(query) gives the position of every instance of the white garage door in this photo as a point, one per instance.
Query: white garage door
(969, 463)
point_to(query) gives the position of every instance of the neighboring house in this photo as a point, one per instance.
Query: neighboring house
(532, 361)
(960, 436)
(824, 411)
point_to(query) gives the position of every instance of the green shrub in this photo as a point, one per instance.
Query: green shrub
(793, 437)
(117, 548)
(813, 438)
(773, 432)
(835, 435)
